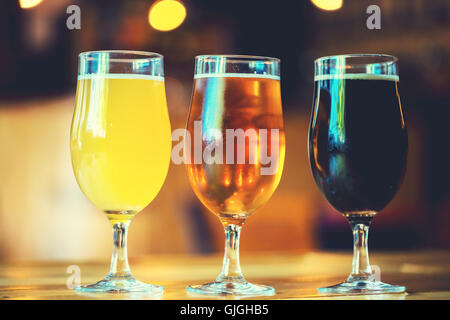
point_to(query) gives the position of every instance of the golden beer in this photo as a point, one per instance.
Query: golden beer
(235, 190)
(234, 151)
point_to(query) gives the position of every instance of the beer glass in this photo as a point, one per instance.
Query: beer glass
(357, 149)
(234, 151)
(120, 146)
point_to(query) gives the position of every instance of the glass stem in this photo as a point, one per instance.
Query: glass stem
(361, 270)
(231, 268)
(119, 260)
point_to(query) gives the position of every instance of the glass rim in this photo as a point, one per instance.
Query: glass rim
(125, 62)
(236, 65)
(237, 58)
(390, 59)
(140, 55)
(357, 65)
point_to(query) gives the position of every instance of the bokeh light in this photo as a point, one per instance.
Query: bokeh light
(328, 5)
(166, 15)
(26, 4)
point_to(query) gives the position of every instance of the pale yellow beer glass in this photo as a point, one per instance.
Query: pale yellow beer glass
(120, 145)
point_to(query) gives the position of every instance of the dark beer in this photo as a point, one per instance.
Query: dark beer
(357, 141)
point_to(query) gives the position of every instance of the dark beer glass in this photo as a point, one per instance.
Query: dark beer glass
(357, 149)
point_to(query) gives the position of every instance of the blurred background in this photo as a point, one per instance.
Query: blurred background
(44, 215)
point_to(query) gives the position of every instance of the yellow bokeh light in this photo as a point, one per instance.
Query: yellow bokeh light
(26, 4)
(328, 5)
(166, 15)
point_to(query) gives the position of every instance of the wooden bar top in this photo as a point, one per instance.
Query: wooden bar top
(426, 275)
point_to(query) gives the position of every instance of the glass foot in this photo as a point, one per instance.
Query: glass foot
(231, 288)
(362, 287)
(120, 286)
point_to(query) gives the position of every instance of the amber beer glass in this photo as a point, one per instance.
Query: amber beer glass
(235, 149)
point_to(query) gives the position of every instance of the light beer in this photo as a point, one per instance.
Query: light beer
(121, 140)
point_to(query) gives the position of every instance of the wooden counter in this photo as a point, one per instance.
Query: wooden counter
(294, 276)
